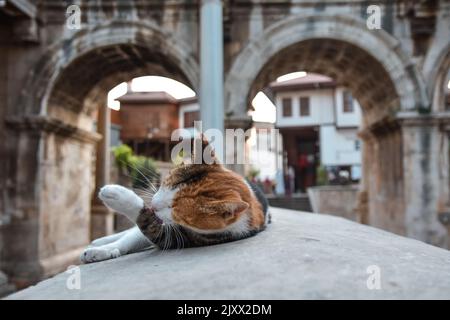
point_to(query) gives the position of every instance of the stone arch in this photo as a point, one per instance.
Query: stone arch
(437, 74)
(310, 41)
(381, 76)
(103, 56)
(52, 136)
(436, 70)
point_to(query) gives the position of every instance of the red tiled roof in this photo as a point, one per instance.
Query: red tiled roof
(147, 97)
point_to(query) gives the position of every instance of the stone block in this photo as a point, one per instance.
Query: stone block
(299, 256)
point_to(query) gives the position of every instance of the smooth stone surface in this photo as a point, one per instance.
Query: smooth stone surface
(299, 256)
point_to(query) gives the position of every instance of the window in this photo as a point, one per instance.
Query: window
(287, 107)
(304, 107)
(190, 117)
(357, 145)
(347, 102)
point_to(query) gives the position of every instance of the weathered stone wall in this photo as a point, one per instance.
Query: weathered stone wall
(339, 201)
(65, 185)
(384, 176)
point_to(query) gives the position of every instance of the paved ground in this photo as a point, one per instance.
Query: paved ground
(300, 256)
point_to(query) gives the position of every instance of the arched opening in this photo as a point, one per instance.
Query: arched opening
(146, 110)
(82, 85)
(353, 68)
(348, 65)
(143, 114)
(78, 99)
(317, 123)
(382, 80)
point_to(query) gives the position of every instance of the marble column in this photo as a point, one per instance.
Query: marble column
(102, 219)
(211, 68)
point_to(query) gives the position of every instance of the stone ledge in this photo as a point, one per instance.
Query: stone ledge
(39, 123)
(300, 256)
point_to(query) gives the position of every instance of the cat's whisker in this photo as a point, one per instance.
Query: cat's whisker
(137, 179)
(146, 192)
(174, 235)
(150, 173)
(166, 238)
(177, 237)
(153, 187)
(180, 235)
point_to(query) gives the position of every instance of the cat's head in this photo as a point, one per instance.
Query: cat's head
(203, 197)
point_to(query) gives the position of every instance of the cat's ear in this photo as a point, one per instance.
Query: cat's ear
(228, 209)
(233, 208)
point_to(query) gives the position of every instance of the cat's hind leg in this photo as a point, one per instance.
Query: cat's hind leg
(126, 202)
(108, 239)
(131, 241)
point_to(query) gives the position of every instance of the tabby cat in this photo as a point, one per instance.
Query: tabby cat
(196, 205)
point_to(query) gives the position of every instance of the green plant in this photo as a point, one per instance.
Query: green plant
(253, 173)
(322, 176)
(142, 170)
(122, 155)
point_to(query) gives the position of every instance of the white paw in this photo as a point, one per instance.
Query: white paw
(99, 254)
(121, 200)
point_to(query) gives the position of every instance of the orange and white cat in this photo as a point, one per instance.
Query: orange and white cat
(196, 205)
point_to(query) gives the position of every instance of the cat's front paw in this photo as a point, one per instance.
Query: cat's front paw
(121, 200)
(95, 254)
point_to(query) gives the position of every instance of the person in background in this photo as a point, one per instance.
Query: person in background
(290, 181)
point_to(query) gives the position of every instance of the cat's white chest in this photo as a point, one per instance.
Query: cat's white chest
(162, 203)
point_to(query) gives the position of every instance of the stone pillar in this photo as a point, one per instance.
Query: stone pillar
(444, 178)
(102, 219)
(381, 198)
(243, 123)
(50, 172)
(211, 67)
(362, 206)
(423, 151)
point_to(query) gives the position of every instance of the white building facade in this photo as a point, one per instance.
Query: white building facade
(319, 124)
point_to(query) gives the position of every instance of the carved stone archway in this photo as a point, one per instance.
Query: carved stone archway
(398, 192)
(53, 122)
(327, 43)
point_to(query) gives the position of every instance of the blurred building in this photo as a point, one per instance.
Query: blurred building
(147, 120)
(319, 122)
